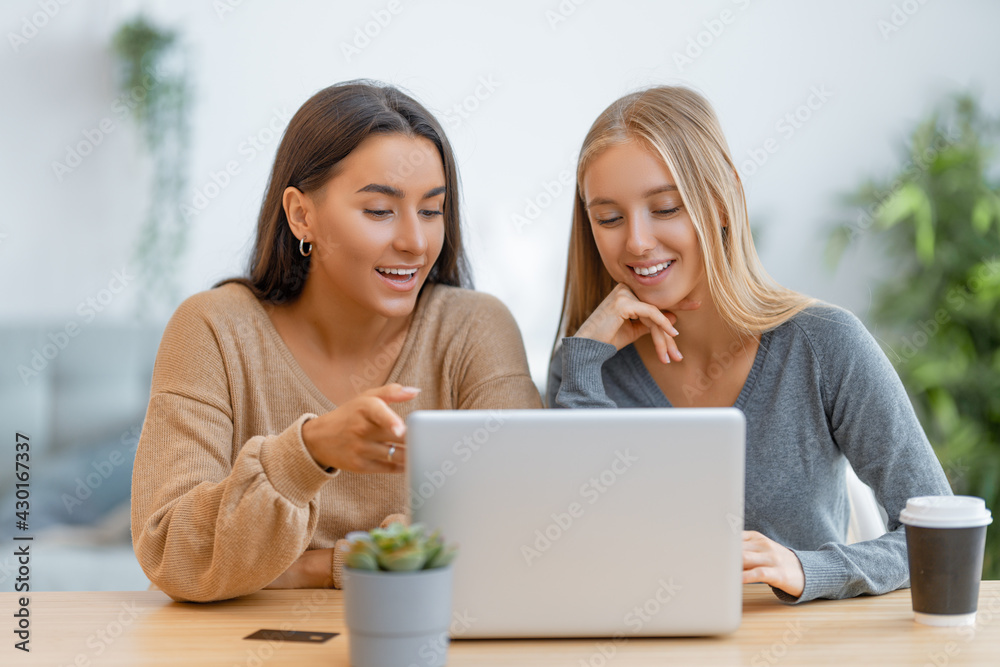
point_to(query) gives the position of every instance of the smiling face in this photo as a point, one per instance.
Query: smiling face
(642, 229)
(377, 226)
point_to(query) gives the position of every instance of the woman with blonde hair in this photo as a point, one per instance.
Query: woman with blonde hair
(660, 253)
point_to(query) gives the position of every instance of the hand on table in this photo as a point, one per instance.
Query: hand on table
(313, 569)
(395, 518)
(319, 568)
(764, 560)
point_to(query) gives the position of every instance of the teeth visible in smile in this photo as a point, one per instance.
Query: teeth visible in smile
(396, 272)
(653, 270)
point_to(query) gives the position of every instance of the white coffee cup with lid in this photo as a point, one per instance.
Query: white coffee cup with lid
(945, 541)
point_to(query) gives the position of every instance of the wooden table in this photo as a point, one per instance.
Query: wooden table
(147, 628)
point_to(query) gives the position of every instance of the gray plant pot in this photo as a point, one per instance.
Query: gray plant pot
(398, 619)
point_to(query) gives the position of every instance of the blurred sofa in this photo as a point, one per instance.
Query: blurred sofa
(80, 399)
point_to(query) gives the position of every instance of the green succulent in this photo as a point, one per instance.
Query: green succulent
(398, 548)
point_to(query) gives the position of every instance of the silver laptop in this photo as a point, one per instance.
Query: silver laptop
(586, 523)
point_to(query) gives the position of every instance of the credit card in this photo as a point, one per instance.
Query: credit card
(292, 636)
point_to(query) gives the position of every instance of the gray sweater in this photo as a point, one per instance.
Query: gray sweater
(820, 390)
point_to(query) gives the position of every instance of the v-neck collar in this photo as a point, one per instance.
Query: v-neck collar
(303, 377)
(658, 399)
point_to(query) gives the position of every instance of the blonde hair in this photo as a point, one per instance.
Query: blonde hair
(680, 126)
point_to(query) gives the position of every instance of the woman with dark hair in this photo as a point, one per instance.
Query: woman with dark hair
(269, 434)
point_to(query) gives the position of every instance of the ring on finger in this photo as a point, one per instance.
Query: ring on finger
(392, 450)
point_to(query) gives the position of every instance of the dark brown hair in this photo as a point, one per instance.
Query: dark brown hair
(324, 131)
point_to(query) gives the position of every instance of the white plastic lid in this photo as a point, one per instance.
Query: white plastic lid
(946, 512)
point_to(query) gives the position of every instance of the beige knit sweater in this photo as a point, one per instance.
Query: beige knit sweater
(225, 496)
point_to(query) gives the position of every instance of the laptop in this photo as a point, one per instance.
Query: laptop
(586, 523)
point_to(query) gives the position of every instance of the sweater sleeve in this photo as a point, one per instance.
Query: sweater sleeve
(214, 519)
(492, 371)
(575, 379)
(873, 423)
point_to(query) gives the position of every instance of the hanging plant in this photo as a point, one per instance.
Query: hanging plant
(154, 85)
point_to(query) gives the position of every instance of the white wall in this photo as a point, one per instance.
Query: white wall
(60, 241)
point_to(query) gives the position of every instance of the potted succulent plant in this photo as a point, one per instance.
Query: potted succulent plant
(397, 595)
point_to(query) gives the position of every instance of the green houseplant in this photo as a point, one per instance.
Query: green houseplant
(153, 86)
(937, 221)
(397, 596)
(397, 548)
